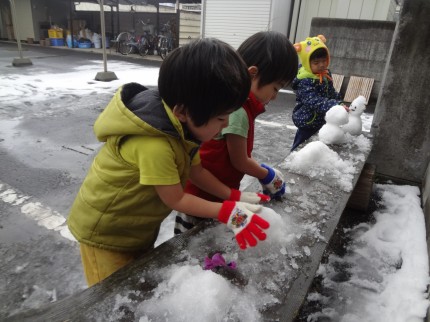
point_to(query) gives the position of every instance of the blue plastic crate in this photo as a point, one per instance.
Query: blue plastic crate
(56, 41)
(84, 45)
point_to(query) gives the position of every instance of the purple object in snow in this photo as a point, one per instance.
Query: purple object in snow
(216, 261)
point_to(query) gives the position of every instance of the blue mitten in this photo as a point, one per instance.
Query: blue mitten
(274, 183)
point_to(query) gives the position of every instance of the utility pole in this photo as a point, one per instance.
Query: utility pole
(21, 61)
(104, 76)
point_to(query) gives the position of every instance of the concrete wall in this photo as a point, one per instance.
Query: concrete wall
(342, 9)
(401, 122)
(357, 47)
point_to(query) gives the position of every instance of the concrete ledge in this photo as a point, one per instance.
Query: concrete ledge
(136, 281)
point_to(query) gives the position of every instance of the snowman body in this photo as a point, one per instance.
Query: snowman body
(355, 124)
(331, 132)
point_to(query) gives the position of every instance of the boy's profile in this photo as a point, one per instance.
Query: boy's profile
(313, 87)
(151, 142)
(272, 64)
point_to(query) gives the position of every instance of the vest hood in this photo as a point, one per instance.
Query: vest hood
(136, 110)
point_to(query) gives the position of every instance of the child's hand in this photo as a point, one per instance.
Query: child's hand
(241, 218)
(273, 183)
(249, 197)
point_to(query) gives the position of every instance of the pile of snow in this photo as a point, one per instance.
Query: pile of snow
(386, 270)
(187, 292)
(317, 161)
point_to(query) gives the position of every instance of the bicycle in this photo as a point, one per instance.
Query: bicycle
(166, 41)
(128, 43)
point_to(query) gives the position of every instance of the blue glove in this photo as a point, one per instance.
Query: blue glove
(274, 183)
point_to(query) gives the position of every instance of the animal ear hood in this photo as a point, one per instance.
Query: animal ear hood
(306, 47)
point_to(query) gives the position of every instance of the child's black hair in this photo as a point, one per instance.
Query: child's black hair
(273, 54)
(207, 77)
(319, 53)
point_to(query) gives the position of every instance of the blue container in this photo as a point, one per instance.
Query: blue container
(84, 45)
(69, 42)
(56, 41)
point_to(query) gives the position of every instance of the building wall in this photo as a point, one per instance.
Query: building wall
(37, 16)
(24, 20)
(357, 48)
(47, 13)
(280, 17)
(189, 27)
(6, 25)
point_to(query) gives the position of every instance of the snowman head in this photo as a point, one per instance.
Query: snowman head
(358, 105)
(337, 115)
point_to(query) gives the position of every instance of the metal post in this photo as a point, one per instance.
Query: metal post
(71, 23)
(103, 27)
(111, 21)
(21, 61)
(118, 17)
(104, 76)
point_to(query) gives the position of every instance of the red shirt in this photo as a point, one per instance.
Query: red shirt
(215, 158)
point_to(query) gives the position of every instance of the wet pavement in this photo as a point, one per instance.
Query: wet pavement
(46, 147)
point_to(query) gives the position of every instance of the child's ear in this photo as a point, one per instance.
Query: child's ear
(322, 38)
(180, 112)
(253, 71)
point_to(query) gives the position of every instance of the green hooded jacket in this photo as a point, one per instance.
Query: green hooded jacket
(117, 207)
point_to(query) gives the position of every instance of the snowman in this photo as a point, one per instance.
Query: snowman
(356, 108)
(331, 132)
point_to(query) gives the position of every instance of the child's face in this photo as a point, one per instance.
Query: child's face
(266, 93)
(210, 130)
(319, 65)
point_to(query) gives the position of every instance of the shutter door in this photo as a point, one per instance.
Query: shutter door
(235, 20)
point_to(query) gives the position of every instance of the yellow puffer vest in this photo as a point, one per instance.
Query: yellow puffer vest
(112, 209)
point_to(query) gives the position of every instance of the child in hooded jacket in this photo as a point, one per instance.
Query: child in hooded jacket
(151, 140)
(313, 87)
(272, 64)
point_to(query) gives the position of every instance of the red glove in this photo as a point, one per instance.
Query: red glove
(240, 218)
(249, 197)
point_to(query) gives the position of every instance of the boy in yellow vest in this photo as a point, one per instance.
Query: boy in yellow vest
(151, 142)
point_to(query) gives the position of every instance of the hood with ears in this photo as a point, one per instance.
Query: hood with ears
(306, 47)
